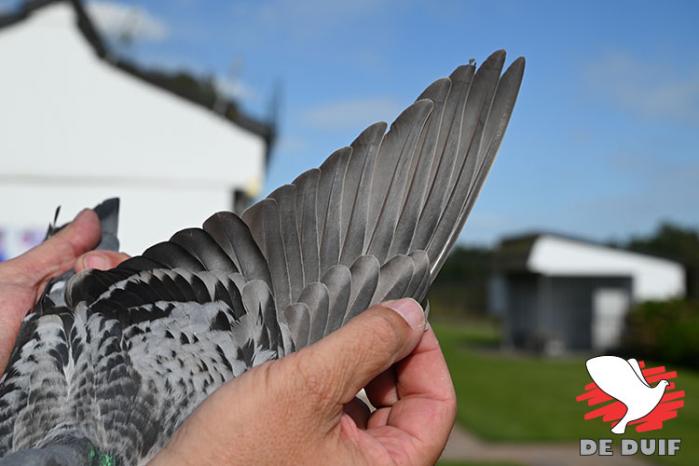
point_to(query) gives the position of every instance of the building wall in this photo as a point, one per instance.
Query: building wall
(77, 130)
(553, 314)
(521, 308)
(568, 304)
(147, 215)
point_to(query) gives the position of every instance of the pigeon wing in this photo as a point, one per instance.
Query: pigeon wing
(375, 221)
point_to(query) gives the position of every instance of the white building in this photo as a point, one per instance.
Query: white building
(80, 124)
(556, 292)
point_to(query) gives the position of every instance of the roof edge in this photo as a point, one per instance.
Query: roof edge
(531, 238)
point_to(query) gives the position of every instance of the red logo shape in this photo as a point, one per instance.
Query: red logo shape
(671, 402)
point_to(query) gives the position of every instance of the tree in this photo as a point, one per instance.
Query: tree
(677, 243)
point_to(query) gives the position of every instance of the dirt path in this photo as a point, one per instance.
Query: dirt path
(464, 446)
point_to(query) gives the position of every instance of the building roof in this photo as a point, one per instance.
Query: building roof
(556, 254)
(196, 92)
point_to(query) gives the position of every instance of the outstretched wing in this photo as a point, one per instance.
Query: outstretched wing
(150, 338)
(375, 221)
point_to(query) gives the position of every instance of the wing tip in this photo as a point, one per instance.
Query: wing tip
(514, 74)
(495, 60)
(517, 65)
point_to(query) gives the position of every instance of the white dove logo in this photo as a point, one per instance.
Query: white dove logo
(623, 380)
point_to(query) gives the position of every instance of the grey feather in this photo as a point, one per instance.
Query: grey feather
(265, 226)
(316, 297)
(329, 202)
(367, 146)
(404, 144)
(286, 199)
(425, 162)
(306, 194)
(363, 148)
(298, 318)
(365, 278)
(233, 236)
(338, 281)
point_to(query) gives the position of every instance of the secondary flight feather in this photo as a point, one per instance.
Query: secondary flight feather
(109, 364)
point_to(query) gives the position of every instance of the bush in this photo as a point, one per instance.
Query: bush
(666, 331)
(461, 287)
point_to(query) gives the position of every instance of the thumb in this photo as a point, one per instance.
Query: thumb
(341, 364)
(58, 254)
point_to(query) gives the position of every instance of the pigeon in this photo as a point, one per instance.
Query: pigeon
(624, 381)
(107, 371)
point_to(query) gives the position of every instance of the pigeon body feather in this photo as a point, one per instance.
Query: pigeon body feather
(127, 354)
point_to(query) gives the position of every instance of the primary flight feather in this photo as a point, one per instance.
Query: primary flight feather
(109, 364)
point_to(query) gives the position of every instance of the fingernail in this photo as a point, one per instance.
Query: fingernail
(97, 261)
(408, 309)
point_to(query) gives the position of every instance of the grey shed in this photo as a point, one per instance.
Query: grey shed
(560, 293)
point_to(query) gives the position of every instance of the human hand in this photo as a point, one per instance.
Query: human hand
(23, 279)
(302, 409)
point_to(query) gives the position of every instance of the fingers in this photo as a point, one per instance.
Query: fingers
(338, 366)
(425, 372)
(100, 260)
(427, 406)
(58, 254)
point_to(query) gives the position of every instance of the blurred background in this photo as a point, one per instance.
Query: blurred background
(584, 241)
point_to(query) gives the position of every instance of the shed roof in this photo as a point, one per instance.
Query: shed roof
(556, 254)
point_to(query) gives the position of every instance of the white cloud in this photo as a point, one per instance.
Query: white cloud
(352, 114)
(119, 21)
(647, 88)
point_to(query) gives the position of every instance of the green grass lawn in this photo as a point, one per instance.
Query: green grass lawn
(518, 398)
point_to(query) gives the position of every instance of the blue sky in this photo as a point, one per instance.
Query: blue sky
(604, 139)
